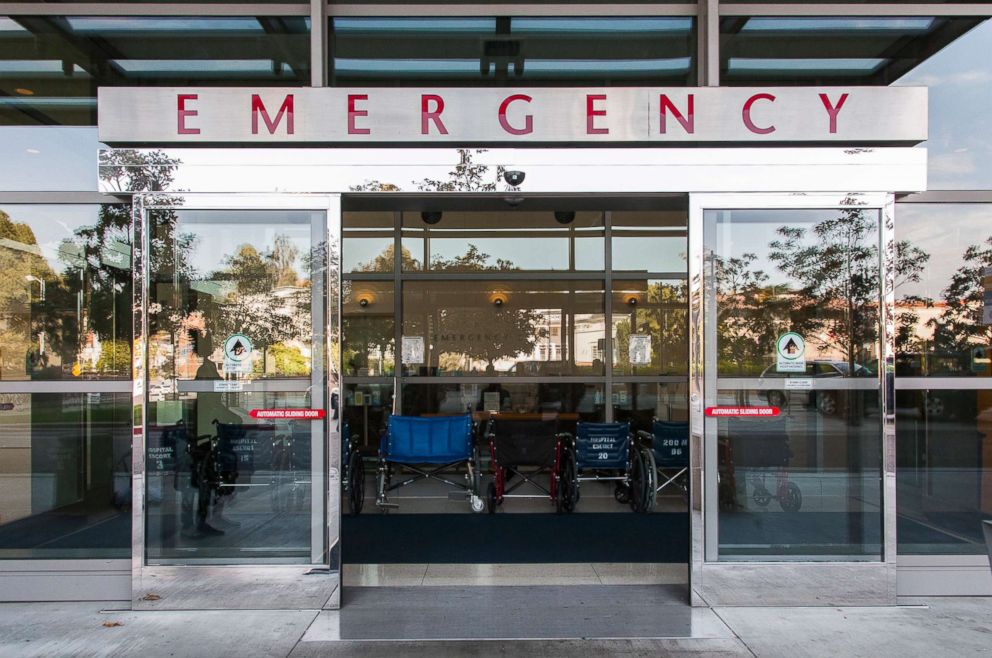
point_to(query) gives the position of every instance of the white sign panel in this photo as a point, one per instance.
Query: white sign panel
(512, 115)
(790, 353)
(238, 349)
(798, 384)
(639, 349)
(413, 350)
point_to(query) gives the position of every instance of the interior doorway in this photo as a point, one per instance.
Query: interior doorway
(536, 319)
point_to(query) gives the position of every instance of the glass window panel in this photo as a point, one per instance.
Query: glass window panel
(367, 408)
(51, 66)
(650, 327)
(367, 242)
(503, 241)
(804, 485)
(960, 88)
(35, 158)
(216, 274)
(870, 50)
(66, 295)
(650, 241)
(65, 475)
(941, 292)
(525, 50)
(943, 457)
(525, 328)
(813, 272)
(641, 403)
(368, 329)
(221, 485)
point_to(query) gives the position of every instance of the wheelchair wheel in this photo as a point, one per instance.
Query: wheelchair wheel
(790, 498)
(570, 482)
(622, 493)
(638, 482)
(491, 498)
(356, 483)
(476, 474)
(651, 479)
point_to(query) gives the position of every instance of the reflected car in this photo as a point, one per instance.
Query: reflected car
(826, 402)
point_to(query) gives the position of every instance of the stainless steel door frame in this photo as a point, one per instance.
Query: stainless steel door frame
(780, 583)
(249, 586)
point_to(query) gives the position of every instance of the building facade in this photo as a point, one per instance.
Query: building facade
(238, 239)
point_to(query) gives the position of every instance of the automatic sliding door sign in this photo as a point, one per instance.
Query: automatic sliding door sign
(288, 414)
(742, 412)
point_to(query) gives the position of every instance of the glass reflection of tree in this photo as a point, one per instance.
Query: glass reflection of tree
(959, 327)
(748, 314)
(263, 295)
(25, 277)
(837, 274)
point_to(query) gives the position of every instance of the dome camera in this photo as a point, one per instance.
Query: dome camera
(514, 178)
(564, 216)
(431, 216)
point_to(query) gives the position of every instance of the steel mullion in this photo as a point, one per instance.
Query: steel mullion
(150, 9)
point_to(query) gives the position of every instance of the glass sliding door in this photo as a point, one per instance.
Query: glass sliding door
(237, 392)
(793, 412)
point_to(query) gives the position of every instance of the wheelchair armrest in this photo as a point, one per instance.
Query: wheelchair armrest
(641, 434)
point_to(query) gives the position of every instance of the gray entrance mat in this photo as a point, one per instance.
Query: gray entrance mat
(508, 612)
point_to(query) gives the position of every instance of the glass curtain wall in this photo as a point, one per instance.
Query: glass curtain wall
(65, 322)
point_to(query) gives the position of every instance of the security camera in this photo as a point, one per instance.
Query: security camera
(514, 178)
(564, 216)
(431, 216)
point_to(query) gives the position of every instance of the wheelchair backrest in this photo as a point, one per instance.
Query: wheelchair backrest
(602, 445)
(524, 442)
(439, 439)
(759, 443)
(670, 443)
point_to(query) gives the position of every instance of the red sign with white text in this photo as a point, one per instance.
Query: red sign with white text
(288, 414)
(737, 412)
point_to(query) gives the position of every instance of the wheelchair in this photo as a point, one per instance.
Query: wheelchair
(353, 472)
(668, 456)
(428, 447)
(607, 452)
(759, 448)
(524, 448)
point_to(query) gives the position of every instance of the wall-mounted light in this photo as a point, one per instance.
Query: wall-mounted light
(364, 302)
(498, 299)
(632, 300)
(564, 216)
(431, 216)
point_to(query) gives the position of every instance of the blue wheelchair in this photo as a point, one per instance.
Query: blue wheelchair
(607, 452)
(669, 456)
(429, 448)
(353, 471)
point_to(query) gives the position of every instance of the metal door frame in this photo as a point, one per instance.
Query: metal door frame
(768, 582)
(254, 586)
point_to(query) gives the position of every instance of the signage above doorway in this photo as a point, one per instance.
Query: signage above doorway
(436, 116)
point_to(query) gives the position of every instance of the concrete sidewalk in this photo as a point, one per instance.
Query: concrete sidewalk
(921, 627)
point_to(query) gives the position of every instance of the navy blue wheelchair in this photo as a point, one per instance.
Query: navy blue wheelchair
(607, 452)
(669, 455)
(429, 448)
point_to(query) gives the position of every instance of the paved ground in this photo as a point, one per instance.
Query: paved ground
(921, 627)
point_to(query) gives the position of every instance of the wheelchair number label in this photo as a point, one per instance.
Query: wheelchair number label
(603, 456)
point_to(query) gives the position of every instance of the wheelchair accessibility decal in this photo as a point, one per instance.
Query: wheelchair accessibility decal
(288, 414)
(738, 412)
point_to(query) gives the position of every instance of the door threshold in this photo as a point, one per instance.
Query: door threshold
(514, 575)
